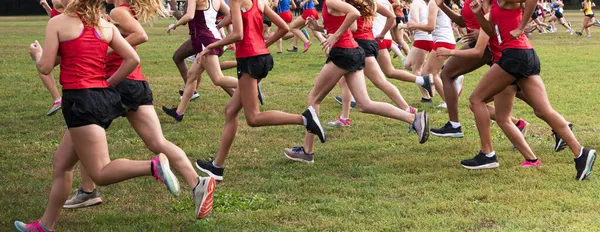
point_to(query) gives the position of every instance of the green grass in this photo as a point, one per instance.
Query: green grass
(372, 176)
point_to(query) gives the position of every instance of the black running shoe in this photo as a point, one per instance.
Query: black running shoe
(338, 99)
(428, 85)
(559, 143)
(426, 100)
(293, 49)
(261, 97)
(210, 169)
(585, 163)
(313, 125)
(173, 113)
(578, 33)
(448, 131)
(481, 161)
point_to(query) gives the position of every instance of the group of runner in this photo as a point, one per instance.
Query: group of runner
(102, 80)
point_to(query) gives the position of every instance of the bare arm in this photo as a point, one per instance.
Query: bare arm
(45, 58)
(431, 20)
(390, 19)
(476, 52)
(134, 30)
(44, 4)
(529, 8)
(237, 33)
(282, 27)
(351, 15)
(224, 8)
(176, 12)
(453, 16)
(130, 57)
(188, 16)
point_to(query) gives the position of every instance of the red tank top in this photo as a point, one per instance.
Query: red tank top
(54, 13)
(253, 43)
(505, 21)
(82, 61)
(364, 29)
(331, 23)
(468, 17)
(113, 61)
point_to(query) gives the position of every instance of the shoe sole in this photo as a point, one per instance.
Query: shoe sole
(298, 159)
(425, 126)
(431, 85)
(88, 203)
(170, 179)
(485, 166)
(306, 49)
(207, 172)
(452, 135)
(318, 122)
(53, 112)
(336, 125)
(589, 164)
(207, 200)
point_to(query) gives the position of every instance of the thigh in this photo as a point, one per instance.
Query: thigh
(145, 122)
(534, 91)
(298, 23)
(493, 82)
(503, 102)
(91, 146)
(434, 63)
(65, 156)
(358, 87)
(329, 76)
(248, 88)
(185, 50)
(211, 64)
(372, 70)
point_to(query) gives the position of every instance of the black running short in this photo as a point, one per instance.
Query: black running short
(399, 20)
(267, 22)
(558, 15)
(84, 107)
(351, 59)
(134, 93)
(487, 52)
(257, 67)
(520, 63)
(370, 47)
(591, 16)
(535, 15)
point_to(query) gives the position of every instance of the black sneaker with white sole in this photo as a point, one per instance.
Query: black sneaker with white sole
(428, 84)
(313, 125)
(481, 161)
(210, 169)
(448, 131)
(559, 143)
(585, 163)
(421, 126)
(173, 113)
(426, 100)
(338, 99)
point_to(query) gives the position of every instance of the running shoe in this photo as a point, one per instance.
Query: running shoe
(209, 168)
(162, 172)
(338, 99)
(421, 126)
(191, 58)
(585, 163)
(34, 226)
(571, 31)
(203, 196)
(303, 30)
(261, 96)
(459, 84)
(549, 28)
(339, 123)
(448, 131)
(313, 125)
(578, 33)
(293, 49)
(412, 110)
(426, 100)
(298, 154)
(231, 48)
(306, 46)
(559, 143)
(597, 23)
(522, 125)
(443, 105)
(55, 107)
(173, 113)
(82, 199)
(428, 84)
(480, 161)
(194, 96)
(527, 163)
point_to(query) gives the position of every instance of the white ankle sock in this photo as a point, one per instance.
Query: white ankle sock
(454, 124)
(58, 100)
(216, 166)
(304, 120)
(492, 154)
(419, 80)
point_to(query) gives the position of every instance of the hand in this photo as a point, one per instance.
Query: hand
(302, 4)
(35, 50)
(201, 55)
(411, 25)
(516, 33)
(171, 28)
(380, 37)
(44, 3)
(329, 42)
(476, 6)
(471, 37)
(312, 23)
(443, 52)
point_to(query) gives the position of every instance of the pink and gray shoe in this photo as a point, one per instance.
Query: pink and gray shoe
(162, 172)
(340, 123)
(528, 164)
(306, 46)
(34, 226)
(55, 107)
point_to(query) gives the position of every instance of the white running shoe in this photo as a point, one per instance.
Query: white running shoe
(459, 84)
(443, 105)
(191, 58)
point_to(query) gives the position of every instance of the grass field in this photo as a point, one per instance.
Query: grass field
(372, 176)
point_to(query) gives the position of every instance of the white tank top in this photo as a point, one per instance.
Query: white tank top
(423, 13)
(443, 28)
(380, 20)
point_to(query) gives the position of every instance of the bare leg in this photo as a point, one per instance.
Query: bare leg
(50, 85)
(295, 27)
(184, 51)
(434, 66)
(504, 102)
(385, 62)
(376, 76)
(346, 98)
(87, 184)
(232, 109)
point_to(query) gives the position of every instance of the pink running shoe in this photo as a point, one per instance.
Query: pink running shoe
(162, 172)
(34, 226)
(527, 163)
(340, 123)
(522, 125)
(412, 110)
(306, 46)
(55, 107)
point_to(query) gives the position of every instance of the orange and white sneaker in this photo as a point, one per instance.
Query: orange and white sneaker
(203, 196)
